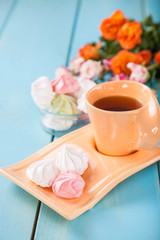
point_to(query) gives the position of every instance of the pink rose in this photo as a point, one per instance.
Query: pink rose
(68, 185)
(65, 84)
(107, 64)
(76, 64)
(91, 69)
(61, 71)
(139, 73)
(120, 76)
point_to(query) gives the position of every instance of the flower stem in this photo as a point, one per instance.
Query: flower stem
(153, 66)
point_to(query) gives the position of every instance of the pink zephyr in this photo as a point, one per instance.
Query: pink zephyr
(68, 185)
(65, 84)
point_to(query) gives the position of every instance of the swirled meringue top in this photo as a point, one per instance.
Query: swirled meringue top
(42, 172)
(72, 158)
(85, 85)
(68, 185)
(64, 104)
(41, 91)
(65, 84)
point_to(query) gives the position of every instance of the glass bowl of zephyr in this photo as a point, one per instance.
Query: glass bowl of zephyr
(61, 113)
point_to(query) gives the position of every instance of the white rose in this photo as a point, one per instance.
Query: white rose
(76, 64)
(91, 69)
(81, 105)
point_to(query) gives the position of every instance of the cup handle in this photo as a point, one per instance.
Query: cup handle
(149, 130)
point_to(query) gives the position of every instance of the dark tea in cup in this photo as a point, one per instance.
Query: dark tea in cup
(118, 103)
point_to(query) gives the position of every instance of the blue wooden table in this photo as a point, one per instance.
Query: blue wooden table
(36, 37)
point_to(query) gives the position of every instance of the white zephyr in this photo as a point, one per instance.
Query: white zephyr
(42, 93)
(85, 85)
(42, 172)
(81, 105)
(72, 158)
(57, 123)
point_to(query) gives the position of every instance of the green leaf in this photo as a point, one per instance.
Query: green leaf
(103, 39)
(93, 43)
(152, 75)
(148, 21)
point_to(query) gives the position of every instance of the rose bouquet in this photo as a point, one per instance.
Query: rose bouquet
(127, 50)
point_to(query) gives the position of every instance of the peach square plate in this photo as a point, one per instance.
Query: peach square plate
(102, 175)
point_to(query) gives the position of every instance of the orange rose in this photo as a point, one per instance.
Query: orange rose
(129, 35)
(146, 55)
(119, 62)
(109, 27)
(89, 51)
(157, 57)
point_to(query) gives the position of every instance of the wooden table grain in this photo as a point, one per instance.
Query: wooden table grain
(36, 37)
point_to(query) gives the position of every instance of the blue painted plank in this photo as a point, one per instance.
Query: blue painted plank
(6, 9)
(35, 42)
(131, 210)
(154, 8)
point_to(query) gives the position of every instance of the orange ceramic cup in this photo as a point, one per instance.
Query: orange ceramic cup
(121, 133)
